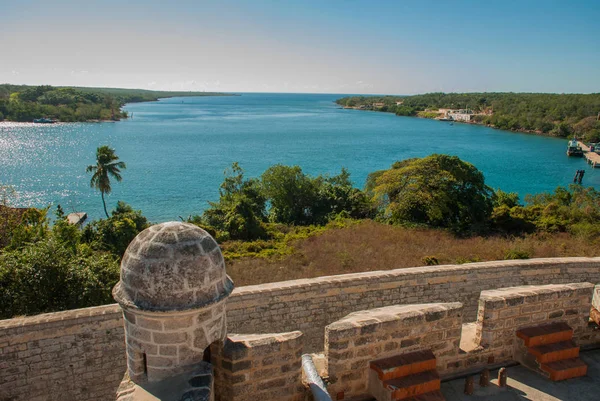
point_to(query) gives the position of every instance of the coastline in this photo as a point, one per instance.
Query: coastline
(521, 131)
(7, 123)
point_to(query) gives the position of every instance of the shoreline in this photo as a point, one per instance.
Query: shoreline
(8, 124)
(520, 131)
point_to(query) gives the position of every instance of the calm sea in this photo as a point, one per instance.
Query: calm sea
(177, 149)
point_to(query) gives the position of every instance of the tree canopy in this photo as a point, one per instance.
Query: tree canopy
(438, 191)
(554, 114)
(282, 195)
(107, 166)
(67, 104)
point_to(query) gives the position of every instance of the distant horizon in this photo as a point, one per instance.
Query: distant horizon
(293, 93)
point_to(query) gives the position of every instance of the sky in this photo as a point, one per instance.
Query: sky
(326, 46)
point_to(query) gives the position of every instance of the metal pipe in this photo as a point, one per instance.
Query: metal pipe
(317, 387)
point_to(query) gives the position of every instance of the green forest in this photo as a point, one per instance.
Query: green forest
(48, 264)
(24, 103)
(561, 115)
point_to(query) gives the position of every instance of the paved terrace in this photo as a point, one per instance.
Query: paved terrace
(524, 384)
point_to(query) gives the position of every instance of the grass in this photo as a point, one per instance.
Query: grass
(369, 246)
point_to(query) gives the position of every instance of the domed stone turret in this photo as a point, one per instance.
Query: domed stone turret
(172, 266)
(172, 291)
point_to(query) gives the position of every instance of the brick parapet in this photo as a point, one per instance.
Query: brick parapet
(503, 311)
(352, 342)
(308, 305)
(259, 367)
(73, 355)
(311, 304)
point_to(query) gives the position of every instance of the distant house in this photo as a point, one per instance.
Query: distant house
(398, 103)
(378, 105)
(461, 115)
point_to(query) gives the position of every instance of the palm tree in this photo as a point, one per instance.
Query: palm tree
(107, 164)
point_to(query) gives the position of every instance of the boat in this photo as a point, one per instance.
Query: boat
(43, 121)
(445, 119)
(574, 149)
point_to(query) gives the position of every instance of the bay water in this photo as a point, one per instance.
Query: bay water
(177, 149)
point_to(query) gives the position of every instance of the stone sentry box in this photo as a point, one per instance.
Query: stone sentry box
(172, 291)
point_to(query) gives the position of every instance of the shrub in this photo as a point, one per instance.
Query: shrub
(49, 276)
(585, 230)
(115, 233)
(429, 261)
(467, 259)
(513, 254)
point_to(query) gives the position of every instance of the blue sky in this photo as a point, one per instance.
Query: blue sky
(350, 46)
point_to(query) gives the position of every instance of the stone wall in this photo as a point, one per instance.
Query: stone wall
(502, 312)
(352, 342)
(160, 344)
(309, 305)
(74, 355)
(258, 367)
(91, 340)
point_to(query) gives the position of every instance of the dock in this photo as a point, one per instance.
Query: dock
(592, 158)
(77, 218)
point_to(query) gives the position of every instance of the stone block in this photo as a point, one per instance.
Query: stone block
(170, 338)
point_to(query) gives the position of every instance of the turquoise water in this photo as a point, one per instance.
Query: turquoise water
(177, 149)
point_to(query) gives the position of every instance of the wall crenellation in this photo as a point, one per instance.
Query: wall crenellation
(80, 354)
(311, 304)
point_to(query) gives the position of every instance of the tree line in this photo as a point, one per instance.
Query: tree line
(561, 115)
(25, 103)
(47, 267)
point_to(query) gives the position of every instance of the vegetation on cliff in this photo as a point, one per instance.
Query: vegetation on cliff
(561, 115)
(25, 103)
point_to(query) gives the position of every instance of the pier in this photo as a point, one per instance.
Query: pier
(591, 157)
(77, 218)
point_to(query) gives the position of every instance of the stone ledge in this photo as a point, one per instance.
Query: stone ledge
(73, 316)
(260, 340)
(512, 296)
(382, 276)
(420, 312)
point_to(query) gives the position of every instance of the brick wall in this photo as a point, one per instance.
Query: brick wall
(74, 355)
(258, 367)
(352, 342)
(36, 353)
(360, 337)
(502, 312)
(309, 305)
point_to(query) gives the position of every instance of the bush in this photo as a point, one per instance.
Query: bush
(50, 276)
(429, 260)
(468, 259)
(240, 213)
(585, 230)
(514, 254)
(115, 233)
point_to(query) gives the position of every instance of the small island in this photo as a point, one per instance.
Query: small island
(47, 104)
(560, 115)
